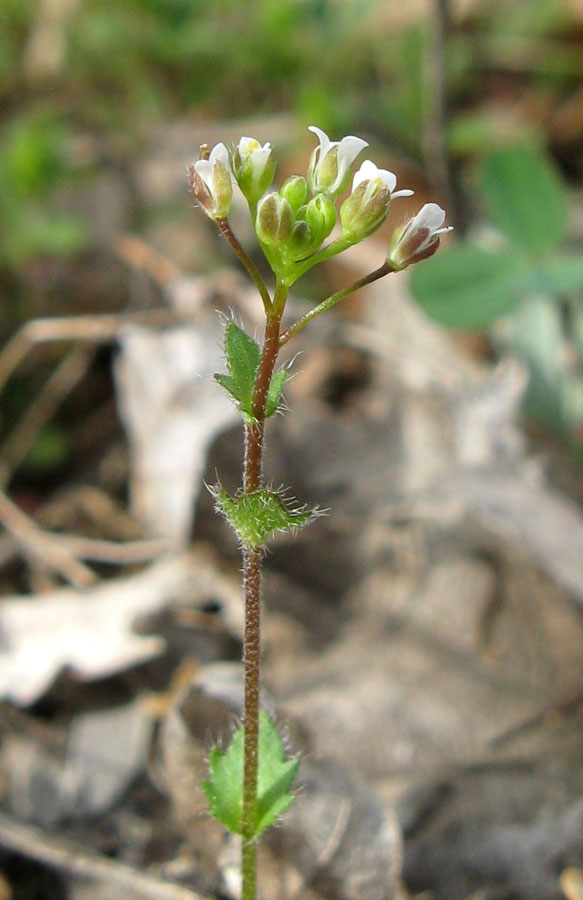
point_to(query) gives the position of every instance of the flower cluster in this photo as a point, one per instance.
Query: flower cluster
(293, 223)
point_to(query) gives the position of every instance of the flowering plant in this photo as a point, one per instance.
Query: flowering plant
(250, 783)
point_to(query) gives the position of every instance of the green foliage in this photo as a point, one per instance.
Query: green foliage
(243, 354)
(525, 197)
(33, 162)
(274, 393)
(531, 285)
(275, 776)
(256, 516)
(50, 450)
(467, 287)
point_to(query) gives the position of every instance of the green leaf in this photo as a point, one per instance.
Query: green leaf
(224, 790)
(243, 356)
(561, 274)
(275, 776)
(274, 393)
(256, 515)
(466, 287)
(526, 197)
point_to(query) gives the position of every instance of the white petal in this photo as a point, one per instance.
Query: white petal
(247, 145)
(323, 138)
(404, 193)
(367, 172)
(260, 157)
(348, 149)
(219, 153)
(389, 179)
(204, 168)
(430, 216)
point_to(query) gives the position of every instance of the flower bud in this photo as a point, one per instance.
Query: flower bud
(301, 242)
(418, 238)
(275, 220)
(320, 214)
(368, 205)
(295, 191)
(329, 169)
(210, 183)
(253, 167)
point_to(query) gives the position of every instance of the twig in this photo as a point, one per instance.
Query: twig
(113, 552)
(67, 857)
(75, 328)
(43, 546)
(65, 377)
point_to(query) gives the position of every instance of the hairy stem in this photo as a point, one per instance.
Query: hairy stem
(252, 479)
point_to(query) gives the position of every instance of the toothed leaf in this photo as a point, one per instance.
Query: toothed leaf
(274, 393)
(243, 356)
(275, 775)
(224, 790)
(255, 516)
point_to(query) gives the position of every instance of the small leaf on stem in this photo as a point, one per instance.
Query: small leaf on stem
(243, 356)
(275, 776)
(274, 393)
(256, 515)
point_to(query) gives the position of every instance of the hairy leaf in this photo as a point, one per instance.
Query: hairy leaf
(275, 776)
(255, 516)
(274, 393)
(243, 356)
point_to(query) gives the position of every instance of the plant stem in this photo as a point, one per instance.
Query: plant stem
(332, 300)
(252, 474)
(333, 249)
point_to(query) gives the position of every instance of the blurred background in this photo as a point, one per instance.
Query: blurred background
(434, 618)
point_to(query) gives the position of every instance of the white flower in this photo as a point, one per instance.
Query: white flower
(330, 162)
(419, 238)
(367, 206)
(210, 182)
(253, 167)
(249, 148)
(369, 172)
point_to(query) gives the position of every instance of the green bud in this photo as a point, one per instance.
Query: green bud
(301, 241)
(320, 214)
(295, 191)
(275, 220)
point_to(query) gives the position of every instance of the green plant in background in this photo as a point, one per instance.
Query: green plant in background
(250, 782)
(524, 284)
(33, 154)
